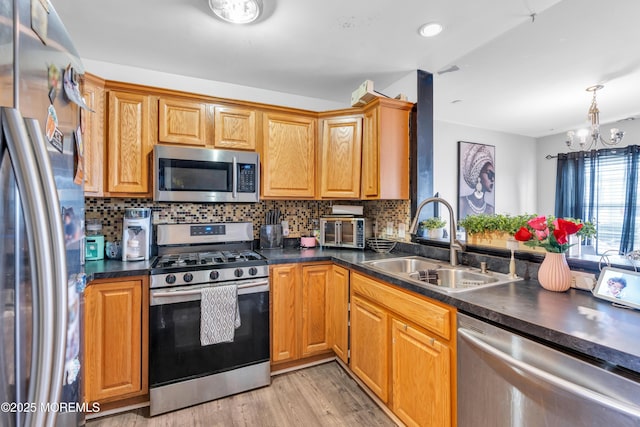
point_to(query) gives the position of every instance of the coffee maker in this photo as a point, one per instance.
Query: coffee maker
(136, 234)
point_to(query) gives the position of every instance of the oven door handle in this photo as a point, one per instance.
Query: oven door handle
(193, 294)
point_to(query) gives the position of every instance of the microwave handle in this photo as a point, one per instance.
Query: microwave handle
(234, 191)
(338, 232)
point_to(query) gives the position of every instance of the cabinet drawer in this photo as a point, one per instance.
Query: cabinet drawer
(428, 314)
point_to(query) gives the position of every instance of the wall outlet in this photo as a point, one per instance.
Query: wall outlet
(390, 232)
(402, 228)
(582, 280)
(285, 228)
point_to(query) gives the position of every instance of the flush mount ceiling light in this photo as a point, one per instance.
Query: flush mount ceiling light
(589, 138)
(236, 11)
(430, 29)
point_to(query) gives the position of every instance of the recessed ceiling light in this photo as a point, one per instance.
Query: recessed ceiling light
(430, 29)
(236, 11)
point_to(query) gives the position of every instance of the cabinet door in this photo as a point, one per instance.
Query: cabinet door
(234, 128)
(370, 155)
(421, 377)
(338, 312)
(114, 349)
(341, 158)
(288, 156)
(285, 280)
(385, 159)
(370, 345)
(182, 122)
(315, 326)
(129, 144)
(92, 125)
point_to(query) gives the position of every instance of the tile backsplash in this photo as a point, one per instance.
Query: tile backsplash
(299, 213)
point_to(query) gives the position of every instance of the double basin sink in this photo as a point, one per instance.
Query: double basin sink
(437, 275)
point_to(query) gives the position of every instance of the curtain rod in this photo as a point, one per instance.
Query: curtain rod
(586, 153)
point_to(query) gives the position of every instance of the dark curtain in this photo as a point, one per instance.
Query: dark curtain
(574, 194)
(629, 221)
(570, 185)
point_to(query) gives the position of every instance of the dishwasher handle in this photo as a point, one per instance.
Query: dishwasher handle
(547, 377)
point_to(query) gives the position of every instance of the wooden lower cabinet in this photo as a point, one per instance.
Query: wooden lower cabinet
(285, 311)
(299, 327)
(421, 377)
(116, 339)
(338, 312)
(403, 349)
(370, 345)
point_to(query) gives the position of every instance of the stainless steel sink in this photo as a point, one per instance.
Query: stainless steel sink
(439, 276)
(405, 265)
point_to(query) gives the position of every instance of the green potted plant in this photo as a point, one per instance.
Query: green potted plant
(434, 226)
(493, 229)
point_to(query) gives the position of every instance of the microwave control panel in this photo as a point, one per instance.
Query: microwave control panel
(246, 178)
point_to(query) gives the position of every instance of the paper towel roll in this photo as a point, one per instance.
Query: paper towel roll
(347, 210)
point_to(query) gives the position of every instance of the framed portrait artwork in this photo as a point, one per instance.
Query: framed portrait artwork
(476, 179)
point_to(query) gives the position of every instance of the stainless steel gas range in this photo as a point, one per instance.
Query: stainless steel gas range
(192, 258)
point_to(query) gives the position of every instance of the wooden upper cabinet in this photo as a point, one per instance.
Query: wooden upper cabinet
(182, 122)
(370, 155)
(234, 128)
(385, 150)
(288, 156)
(129, 143)
(92, 127)
(341, 149)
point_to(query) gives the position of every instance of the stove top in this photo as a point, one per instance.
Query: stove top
(207, 259)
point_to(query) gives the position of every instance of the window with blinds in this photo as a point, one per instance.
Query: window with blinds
(607, 207)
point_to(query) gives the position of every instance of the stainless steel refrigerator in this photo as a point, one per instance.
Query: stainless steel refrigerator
(41, 219)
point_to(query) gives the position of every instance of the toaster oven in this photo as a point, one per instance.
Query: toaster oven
(345, 232)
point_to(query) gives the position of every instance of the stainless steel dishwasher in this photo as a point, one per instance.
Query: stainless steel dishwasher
(506, 380)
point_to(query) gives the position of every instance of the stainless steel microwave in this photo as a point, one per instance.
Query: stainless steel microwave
(345, 232)
(191, 174)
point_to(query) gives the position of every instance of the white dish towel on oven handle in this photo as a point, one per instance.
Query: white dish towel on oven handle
(219, 314)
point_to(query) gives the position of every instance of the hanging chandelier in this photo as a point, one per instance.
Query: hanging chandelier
(586, 139)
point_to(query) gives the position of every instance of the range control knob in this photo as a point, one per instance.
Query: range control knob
(187, 277)
(171, 278)
(238, 272)
(253, 271)
(214, 275)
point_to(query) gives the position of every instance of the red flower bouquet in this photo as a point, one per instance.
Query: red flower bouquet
(548, 233)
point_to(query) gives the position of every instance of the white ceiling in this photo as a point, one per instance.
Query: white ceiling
(517, 74)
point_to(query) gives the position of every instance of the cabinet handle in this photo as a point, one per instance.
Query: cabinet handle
(405, 326)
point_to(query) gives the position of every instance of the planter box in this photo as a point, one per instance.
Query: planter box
(498, 240)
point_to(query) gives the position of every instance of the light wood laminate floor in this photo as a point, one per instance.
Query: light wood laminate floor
(322, 395)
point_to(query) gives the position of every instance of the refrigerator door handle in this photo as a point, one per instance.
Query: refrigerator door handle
(58, 256)
(40, 253)
(543, 376)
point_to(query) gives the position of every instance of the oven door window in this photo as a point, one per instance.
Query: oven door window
(175, 353)
(195, 175)
(348, 233)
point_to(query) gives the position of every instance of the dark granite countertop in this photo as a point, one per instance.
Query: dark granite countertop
(573, 320)
(111, 268)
